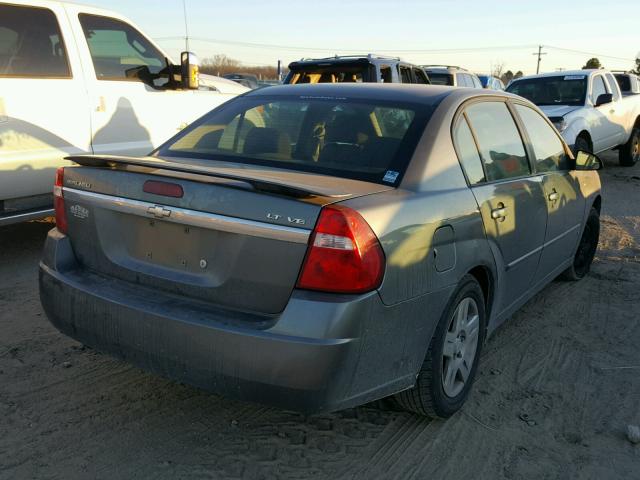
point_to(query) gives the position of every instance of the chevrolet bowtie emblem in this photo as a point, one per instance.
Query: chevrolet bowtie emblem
(159, 212)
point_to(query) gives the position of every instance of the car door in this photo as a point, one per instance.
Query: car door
(130, 114)
(510, 198)
(603, 128)
(564, 200)
(618, 114)
(44, 115)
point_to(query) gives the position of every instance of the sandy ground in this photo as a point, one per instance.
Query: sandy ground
(557, 386)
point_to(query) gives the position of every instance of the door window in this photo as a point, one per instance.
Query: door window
(385, 74)
(405, 75)
(598, 88)
(613, 87)
(548, 148)
(120, 52)
(500, 144)
(421, 77)
(31, 44)
(460, 80)
(468, 152)
(476, 81)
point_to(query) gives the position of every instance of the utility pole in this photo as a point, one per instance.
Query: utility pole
(186, 26)
(539, 54)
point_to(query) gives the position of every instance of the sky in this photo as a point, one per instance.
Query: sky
(477, 35)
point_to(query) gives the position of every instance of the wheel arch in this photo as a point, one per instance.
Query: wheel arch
(597, 204)
(484, 277)
(587, 136)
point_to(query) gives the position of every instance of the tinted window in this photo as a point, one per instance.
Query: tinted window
(421, 77)
(556, 90)
(440, 78)
(548, 148)
(330, 74)
(468, 152)
(405, 75)
(501, 147)
(118, 51)
(598, 88)
(386, 74)
(31, 44)
(625, 82)
(367, 140)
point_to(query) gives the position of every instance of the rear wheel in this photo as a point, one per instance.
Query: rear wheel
(629, 153)
(448, 371)
(586, 249)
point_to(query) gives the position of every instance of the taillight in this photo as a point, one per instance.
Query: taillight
(344, 254)
(58, 201)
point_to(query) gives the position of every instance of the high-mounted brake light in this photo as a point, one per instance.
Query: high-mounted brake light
(164, 189)
(58, 201)
(344, 254)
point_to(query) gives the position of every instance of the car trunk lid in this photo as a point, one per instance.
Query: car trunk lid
(221, 233)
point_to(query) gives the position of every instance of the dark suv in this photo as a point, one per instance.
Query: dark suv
(355, 69)
(452, 76)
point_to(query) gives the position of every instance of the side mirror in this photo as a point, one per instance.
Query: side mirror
(604, 99)
(588, 161)
(190, 70)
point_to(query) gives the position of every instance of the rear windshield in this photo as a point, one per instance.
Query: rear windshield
(364, 140)
(441, 78)
(343, 73)
(560, 90)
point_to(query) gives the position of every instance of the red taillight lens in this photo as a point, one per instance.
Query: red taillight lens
(58, 201)
(344, 255)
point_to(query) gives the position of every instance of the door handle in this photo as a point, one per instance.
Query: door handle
(553, 196)
(499, 213)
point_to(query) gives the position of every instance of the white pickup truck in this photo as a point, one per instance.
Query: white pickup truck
(588, 109)
(76, 79)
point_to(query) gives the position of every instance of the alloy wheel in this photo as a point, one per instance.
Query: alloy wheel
(460, 346)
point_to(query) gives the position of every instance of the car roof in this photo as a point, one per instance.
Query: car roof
(562, 73)
(410, 93)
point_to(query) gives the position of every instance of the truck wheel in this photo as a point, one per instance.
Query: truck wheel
(448, 371)
(586, 249)
(582, 143)
(629, 153)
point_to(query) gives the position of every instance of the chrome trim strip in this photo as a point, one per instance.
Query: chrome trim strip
(545, 245)
(23, 217)
(192, 218)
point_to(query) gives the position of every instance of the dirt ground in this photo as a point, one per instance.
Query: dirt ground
(557, 387)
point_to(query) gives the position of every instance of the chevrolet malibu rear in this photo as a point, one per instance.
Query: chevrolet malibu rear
(298, 246)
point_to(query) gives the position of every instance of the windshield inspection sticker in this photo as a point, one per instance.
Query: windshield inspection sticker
(79, 211)
(390, 176)
(574, 77)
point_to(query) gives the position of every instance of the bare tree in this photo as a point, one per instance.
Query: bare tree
(497, 69)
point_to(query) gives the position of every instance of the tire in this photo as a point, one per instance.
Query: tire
(629, 153)
(586, 249)
(582, 143)
(434, 394)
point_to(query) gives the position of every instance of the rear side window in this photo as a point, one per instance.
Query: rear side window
(548, 148)
(405, 75)
(366, 140)
(501, 147)
(31, 44)
(441, 78)
(468, 152)
(421, 77)
(119, 51)
(598, 88)
(476, 81)
(385, 74)
(329, 74)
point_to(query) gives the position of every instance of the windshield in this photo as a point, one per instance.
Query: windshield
(560, 90)
(344, 73)
(440, 78)
(365, 140)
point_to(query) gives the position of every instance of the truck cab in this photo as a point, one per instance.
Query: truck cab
(76, 79)
(588, 109)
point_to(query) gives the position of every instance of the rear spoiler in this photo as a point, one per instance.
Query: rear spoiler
(258, 180)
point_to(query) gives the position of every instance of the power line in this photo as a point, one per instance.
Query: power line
(581, 52)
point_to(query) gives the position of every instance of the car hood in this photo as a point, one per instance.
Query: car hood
(557, 110)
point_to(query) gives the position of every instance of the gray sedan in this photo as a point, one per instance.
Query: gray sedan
(317, 247)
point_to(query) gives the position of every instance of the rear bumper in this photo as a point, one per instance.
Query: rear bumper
(322, 353)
